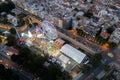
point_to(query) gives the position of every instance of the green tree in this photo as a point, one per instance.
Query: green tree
(3, 19)
(13, 31)
(110, 30)
(112, 44)
(94, 78)
(11, 40)
(85, 68)
(7, 74)
(34, 63)
(2, 67)
(7, 7)
(106, 67)
(70, 23)
(81, 32)
(95, 60)
(100, 40)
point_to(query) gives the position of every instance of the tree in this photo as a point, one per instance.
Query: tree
(70, 24)
(110, 30)
(13, 31)
(81, 32)
(10, 6)
(101, 40)
(106, 67)
(7, 74)
(94, 78)
(7, 7)
(1, 67)
(21, 22)
(85, 68)
(112, 44)
(14, 57)
(95, 60)
(34, 64)
(98, 56)
(3, 19)
(11, 40)
(30, 25)
(88, 14)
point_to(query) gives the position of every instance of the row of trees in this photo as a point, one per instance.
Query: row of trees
(34, 64)
(81, 32)
(11, 40)
(7, 6)
(7, 74)
(100, 40)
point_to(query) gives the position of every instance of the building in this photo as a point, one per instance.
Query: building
(71, 59)
(12, 19)
(8, 50)
(105, 35)
(91, 30)
(59, 42)
(115, 37)
(16, 11)
(11, 51)
(73, 53)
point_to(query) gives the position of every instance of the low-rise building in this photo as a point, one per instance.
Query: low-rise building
(115, 37)
(105, 35)
(91, 30)
(12, 19)
(71, 59)
(8, 50)
(73, 53)
(59, 42)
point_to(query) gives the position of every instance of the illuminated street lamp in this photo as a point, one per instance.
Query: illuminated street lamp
(105, 47)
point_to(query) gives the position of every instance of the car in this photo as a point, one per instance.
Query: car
(110, 55)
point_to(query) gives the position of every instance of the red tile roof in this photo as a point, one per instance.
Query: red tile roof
(104, 34)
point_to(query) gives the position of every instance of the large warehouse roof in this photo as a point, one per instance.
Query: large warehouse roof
(73, 53)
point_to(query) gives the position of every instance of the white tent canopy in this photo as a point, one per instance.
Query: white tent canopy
(63, 58)
(73, 53)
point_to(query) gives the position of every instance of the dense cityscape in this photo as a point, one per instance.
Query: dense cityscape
(59, 39)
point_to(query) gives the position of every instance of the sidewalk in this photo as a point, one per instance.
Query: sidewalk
(78, 76)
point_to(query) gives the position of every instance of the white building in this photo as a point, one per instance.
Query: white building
(115, 37)
(12, 19)
(73, 53)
